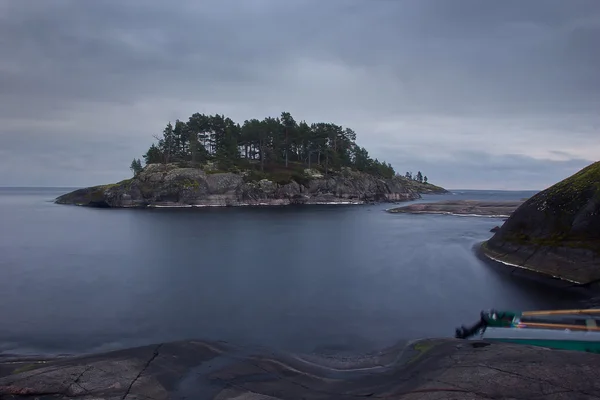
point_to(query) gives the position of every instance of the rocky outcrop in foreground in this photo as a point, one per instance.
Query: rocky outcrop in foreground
(169, 185)
(462, 207)
(556, 232)
(426, 369)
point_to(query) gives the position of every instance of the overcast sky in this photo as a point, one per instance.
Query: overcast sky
(474, 93)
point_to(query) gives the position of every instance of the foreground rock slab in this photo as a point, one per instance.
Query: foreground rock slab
(426, 369)
(462, 207)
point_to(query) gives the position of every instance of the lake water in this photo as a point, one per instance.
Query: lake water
(317, 278)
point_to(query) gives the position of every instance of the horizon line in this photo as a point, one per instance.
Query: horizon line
(450, 190)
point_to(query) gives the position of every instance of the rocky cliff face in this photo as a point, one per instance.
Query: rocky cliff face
(556, 232)
(168, 185)
(422, 188)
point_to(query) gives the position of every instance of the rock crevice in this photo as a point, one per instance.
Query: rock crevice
(423, 369)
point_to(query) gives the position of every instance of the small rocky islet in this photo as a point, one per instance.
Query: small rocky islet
(169, 185)
(212, 161)
(461, 207)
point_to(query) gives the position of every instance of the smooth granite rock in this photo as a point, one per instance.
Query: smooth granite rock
(425, 369)
(556, 232)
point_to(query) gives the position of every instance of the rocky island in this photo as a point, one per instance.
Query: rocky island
(212, 161)
(556, 232)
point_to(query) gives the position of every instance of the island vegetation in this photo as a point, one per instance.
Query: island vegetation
(210, 160)
(274, 148)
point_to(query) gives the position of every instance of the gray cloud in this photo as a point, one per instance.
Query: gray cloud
(507, 172)
(469, 85)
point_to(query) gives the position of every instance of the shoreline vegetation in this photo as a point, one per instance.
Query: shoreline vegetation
(212, 161)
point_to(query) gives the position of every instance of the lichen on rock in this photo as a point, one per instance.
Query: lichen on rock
(171, 185)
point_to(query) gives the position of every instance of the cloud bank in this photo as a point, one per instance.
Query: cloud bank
(476, 94)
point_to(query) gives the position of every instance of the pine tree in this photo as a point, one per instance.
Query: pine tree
(166, 144)
(153, 155)
(419, 177)
(136, 167)
(289, 128)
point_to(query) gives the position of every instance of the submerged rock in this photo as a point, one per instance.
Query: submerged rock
(462, 207)
(557, 231)
(171, 186)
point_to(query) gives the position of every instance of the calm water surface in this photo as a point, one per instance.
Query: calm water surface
(315, 278)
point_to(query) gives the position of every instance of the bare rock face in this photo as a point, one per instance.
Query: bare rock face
(557, 231)
(169, 185)
(424, 369)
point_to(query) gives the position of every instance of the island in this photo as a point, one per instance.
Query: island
(555, 233)
(212, 161)
(500, 209)
(423, 369)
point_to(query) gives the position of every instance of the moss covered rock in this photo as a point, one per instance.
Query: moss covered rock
(557, 231)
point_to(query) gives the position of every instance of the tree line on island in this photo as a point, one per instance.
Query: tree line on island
(419, 177)
(262, 145)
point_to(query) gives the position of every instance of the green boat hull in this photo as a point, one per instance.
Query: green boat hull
(576, 330)
(590, 347)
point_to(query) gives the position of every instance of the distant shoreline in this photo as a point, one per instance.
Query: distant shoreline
(449, 213)
(341, 203)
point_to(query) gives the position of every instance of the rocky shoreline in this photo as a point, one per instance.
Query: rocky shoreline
(423, 369)
(577, 266)
(273, 203)
(555, 233)
(498, 209)
(160, 185)
(585, 293)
